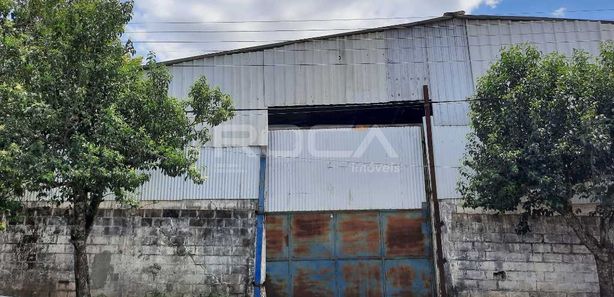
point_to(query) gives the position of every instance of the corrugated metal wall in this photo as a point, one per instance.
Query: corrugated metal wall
(487, 37)
(345, 169)
(392, 65)
(333, 71)
(449, 146)
(232, 173)
(240, 75)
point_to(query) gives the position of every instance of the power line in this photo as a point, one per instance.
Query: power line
(245, 31)
(286, 20)
(424, 37)
(351, 19)
(408, 103)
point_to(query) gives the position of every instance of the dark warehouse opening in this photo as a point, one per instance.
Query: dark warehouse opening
(389, 113)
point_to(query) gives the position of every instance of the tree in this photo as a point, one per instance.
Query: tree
(542, 132)
(80, 117)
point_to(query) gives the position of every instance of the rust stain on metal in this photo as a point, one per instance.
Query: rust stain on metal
(276, 238)
(404, 236)
(362, 279)
(305, 285)
(275, 288)
(311, 234)
(402, 279)
(359, 234)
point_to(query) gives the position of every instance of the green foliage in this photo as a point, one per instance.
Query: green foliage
(80, 115)
(542, 133)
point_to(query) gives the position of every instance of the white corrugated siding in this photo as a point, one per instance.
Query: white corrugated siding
(232, 174)
(449, 71)
(338, 70)
(345, 169)
(449, 147)
(487, 37)
(241, 76)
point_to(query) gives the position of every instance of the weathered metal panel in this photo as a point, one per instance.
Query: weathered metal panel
(313, 278)
(395, 259)
(312, 235)
(358, 235)
(232, 173)
(277, 283)
(404, 235)
(346, 169)
(408, 277)
(277, 237)
(449, 147)
(360, 278)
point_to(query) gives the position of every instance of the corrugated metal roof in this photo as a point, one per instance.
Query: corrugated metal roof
(345, 169)
(447, 16)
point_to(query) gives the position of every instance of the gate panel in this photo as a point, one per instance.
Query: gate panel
(360, 278)
(313, 278)
(277, 281)
(358, 234)
(410, 277)
(277, 237)
(404, 234)
(359, 253)
(311, 236)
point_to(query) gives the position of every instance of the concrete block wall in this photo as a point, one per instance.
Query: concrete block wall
(485, 256)
(191, 248)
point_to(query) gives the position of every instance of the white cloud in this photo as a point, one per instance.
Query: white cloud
(493, 3)
(148, 12)
(559, 13)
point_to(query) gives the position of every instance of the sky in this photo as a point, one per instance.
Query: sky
(182, 28)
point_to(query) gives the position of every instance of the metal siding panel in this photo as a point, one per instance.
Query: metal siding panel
(406, 272)
(408, 277)
(241, 77)
(313, 278)
(385, 173)
(487, 37)
(332, 71)
(607, 32)
(278, 283)
(232, 174)
(360, 278)
(449, 71)
(406, 68)
(311, 236)
(358, 235)
(246, 128)
(404, 235)
(277, 237)
(449, 148)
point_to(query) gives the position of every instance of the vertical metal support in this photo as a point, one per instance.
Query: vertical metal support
(441, 284)
(260, 228)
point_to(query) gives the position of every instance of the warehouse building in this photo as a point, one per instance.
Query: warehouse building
(327, 160)
(340, 120)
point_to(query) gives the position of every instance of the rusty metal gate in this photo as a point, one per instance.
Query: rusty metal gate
(353, 253)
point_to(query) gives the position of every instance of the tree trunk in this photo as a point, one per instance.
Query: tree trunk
(82, 273)
(82, 219)
(605, 270)
(600, 248)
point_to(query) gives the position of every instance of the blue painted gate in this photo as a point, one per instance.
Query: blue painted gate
(357, 253)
